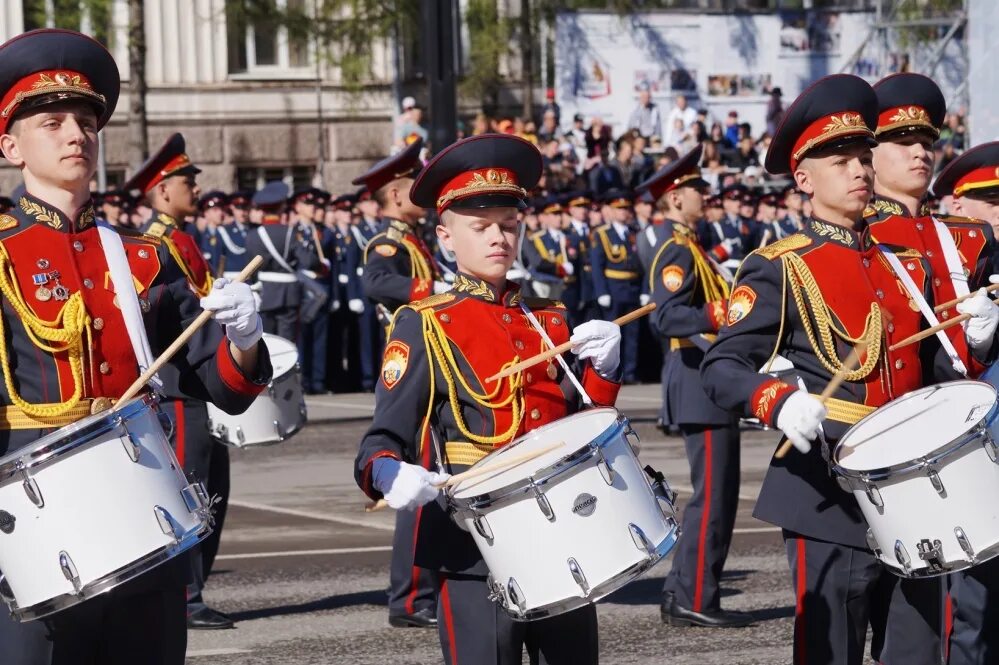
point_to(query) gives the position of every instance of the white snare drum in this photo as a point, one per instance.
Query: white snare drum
(91, 506)
(571, 526)
(276, 414)
(924, 470)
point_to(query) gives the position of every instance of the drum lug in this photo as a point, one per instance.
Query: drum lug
(874, 496)
(605, 468)
(270, 390)
(663, 492)
(6, 593)
(194, 497)
(902, 556)
(69, 571)
(642, 541)
(516, 594)
(278, 431)
(31, 488)
(167, 424)
(166, 522)
(633, 438)
(937, 483)
(577, 574)
(131, 446)
(991, 449)
(482, 526)
(962, 540)
(873, 543)
(495, 589)
(932, 554)
(543, 504)
(844, 483)
(240, 435)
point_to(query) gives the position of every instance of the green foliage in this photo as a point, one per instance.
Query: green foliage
(915, 36)
(69, 14)
(489, 40)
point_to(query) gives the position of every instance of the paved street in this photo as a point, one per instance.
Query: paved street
(303, 569)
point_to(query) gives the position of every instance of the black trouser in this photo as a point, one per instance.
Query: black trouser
(708, 517)
(974, 597)
(476, 631)
(117, 628)
(840, 590)
(411, 589)
(629, 336)
(281, 322)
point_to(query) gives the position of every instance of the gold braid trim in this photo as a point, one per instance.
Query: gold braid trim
(419, 268)
(714, 286)
(812, 302)
(200, 290)
(614, 255)
(440, 353)
(64, 334)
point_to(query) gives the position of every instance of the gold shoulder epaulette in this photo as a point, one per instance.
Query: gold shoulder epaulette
(534, 302)
(393, 233)
(432, 301)
(537, 234)
(954, 219)
(907, 253)
(136, 234)
(7, 222)
(784, 245)
(156, 229)
(869, 211)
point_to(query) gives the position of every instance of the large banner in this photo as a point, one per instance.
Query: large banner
(719, 62)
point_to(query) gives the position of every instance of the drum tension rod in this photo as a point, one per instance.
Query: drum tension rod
(932, 554)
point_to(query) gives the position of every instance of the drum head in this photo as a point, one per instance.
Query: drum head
(576, 431)
(284, 354)
(915, 425)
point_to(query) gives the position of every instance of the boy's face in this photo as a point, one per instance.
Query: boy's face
(55, 144)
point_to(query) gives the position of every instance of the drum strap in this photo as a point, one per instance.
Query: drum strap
(846, 412)
(924, 307)
(953, 259)
(124, 288)
(13, 417)
(551, 345)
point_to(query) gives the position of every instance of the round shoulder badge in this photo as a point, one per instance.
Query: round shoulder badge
(394, 363)
(386, 250)
(740, 304)
(672, 278)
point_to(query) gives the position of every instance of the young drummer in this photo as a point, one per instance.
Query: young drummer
(811, 297)
(69, 338)
(432, 394)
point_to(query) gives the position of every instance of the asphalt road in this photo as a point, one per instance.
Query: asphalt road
(303, 569)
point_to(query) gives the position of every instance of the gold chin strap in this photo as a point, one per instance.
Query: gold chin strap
(64, 334)
(809, 300)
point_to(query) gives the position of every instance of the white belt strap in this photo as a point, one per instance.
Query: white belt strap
(229, 243)
(128, 300)
(272, 250)
(954, 266)
(282, 277)
(561, 361)
(924, 307)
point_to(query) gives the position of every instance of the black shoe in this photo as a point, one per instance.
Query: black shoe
(425, 618)
(674, 615)
(203, 617)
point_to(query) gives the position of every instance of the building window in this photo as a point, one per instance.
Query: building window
(255, 177)
(260, 42)
(92, 18)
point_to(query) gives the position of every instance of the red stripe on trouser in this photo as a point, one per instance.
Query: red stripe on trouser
(449, 623)
(799, 604)
(705, 518)
(948, 627)
(178, 430)
(414, 587)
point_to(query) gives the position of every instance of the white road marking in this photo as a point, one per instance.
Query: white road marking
(339, 405)
(338, 550)
(199, 653)
(757, 529)
(336, 519)
(686, 489)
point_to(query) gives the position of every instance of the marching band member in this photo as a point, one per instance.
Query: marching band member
(232, 235)
(68, 349)
(690, 299)
(430, 394)
(578, 296)
(811, 297)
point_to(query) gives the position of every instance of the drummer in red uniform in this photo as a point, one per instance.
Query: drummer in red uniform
(431, 394)
(68, 336)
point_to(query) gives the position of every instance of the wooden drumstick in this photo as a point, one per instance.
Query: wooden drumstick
(950, 303)
(181, 340)
(513, 461)
(562, 348)
(929, 332)
(851, 363)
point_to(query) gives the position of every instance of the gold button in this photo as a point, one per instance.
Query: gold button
(446, 318)
(105, 368)
(891, 327)
(929, 253)
(535, 414)
(552, 371)
(556, 321)
(899, 364)
(507, 318)
(945, 315)
(972, 234)
(77, 245)
(910, 266)
(143, 254)
(529, 377)
(880, 294)
(867, 263)
(88, 283)
(919, 226)
(519, 345)
(936, 281)
(98, 323)
(100, 404)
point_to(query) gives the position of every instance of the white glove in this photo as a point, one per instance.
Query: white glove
(335, 306)
(516, 274)
(800, 419)
(257, 299)
(604, 301)
(600, 341)
(730, 244)
(405, 486)
(233, 306)
(981, 327)
(441, 287)
(356, 305)
(643, 299)
(568, 268)
(342, 278)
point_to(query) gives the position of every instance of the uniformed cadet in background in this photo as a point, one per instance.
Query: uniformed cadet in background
(691, 298)
(312, 329)
(477, 186)
(617, 274)
(366, 224)
(545, 252)
(578, 297)
(232, 235)
(809, 298)
(345, 339)
(398, 269)
(167, 180)
(212, 207)
(61, 316)
(110, 206)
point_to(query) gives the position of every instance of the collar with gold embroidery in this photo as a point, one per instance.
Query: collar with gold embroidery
(483, 290)
(35, 210)
(858, 238)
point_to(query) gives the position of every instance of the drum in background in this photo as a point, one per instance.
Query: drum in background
(91, 506)
(925, 470)
(276, 414)
(571, 526)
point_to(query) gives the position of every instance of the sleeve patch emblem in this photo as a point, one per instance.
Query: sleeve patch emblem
(386, 250)
(394, 363)
(740, 304)
(672, 278)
